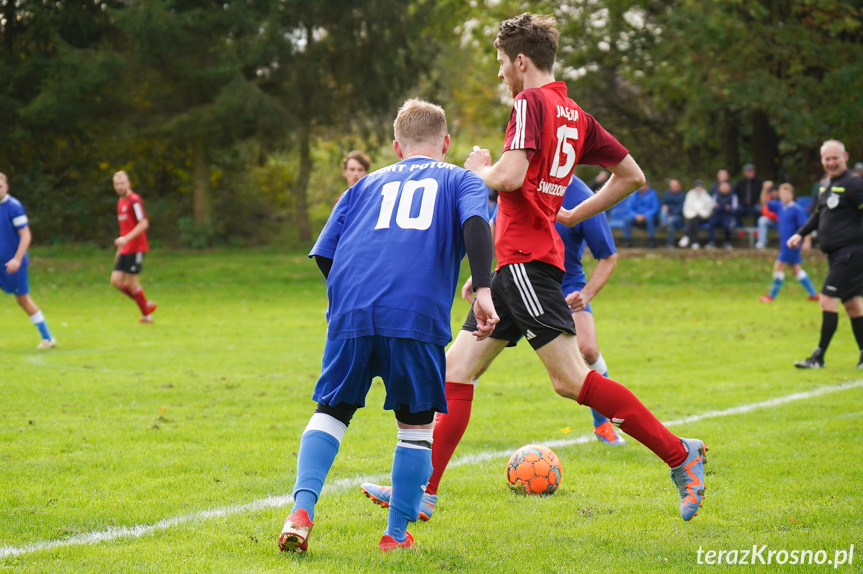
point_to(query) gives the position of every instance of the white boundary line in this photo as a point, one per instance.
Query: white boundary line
(347, 483)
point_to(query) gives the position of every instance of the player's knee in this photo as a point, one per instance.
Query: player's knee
(342, 412)
(419, 418)
(590, 352)
(460, 371)
(117, 281)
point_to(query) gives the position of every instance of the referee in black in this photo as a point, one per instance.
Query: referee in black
(838, 217)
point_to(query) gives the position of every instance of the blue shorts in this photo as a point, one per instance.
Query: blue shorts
(789, 256)
(16, 283)
(572, 288)
(413, 372)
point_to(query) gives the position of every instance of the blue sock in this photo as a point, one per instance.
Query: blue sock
(778, 280)
(804, 279)
(412, 468)
(318, 449)
(601, 368)
(598, 419)
(39, 320)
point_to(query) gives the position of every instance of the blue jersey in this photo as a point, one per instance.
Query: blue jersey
(594, 232)
(13, 218)
(396, 243)
(791, 218)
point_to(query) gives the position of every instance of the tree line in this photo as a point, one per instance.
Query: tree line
(231, 116)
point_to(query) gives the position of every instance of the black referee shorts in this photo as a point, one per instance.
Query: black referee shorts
(845, 275)
(529, 300)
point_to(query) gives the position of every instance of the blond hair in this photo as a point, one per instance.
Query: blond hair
(419, 122)
(4, 178)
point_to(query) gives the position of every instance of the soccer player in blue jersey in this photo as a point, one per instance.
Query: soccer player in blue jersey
(391, 252)
(792, 216)
(15, 239)
(594, 232)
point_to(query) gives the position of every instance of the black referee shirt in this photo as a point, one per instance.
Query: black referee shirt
(838, 213)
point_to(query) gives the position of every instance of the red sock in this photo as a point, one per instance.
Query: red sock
(125, 289)
(448, 430)
(616, 402)
(138, 295)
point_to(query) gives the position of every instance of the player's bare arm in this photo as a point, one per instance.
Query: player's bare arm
(14, 264)
(625, 178)
(136, 231)
(578, 300)
(506, 175)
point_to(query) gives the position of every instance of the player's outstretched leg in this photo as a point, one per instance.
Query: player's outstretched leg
(637, 421)
(689, 478)
(318, 448)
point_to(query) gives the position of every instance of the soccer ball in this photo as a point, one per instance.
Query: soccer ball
(534, 469)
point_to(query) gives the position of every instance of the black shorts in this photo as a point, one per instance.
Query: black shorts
(845, 275)
(530, 303)
(129, 263)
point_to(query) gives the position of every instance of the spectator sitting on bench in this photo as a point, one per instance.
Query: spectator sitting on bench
(671, 212)
(697, 209)
(748, 192)
(724, 210)
(643, 209)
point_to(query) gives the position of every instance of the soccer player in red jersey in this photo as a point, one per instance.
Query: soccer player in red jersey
(131, 245)
(547, 135)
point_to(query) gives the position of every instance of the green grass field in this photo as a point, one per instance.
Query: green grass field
(171, 447)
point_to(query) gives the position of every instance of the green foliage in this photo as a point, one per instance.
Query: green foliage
(207, 104)
(124, 425)
(722, 82)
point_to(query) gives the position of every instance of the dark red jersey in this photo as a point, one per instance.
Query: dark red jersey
(557, 135)
(130, 211)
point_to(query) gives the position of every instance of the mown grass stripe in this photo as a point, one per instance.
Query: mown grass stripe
(342, 485)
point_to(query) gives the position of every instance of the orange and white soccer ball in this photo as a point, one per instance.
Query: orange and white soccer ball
(534, 469)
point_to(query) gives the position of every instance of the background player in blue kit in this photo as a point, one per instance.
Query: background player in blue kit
(594, 232)
(792, 216)
(14, 241)
(391, 252)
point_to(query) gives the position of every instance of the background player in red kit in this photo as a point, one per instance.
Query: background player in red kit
(547, 135)
(131, 245)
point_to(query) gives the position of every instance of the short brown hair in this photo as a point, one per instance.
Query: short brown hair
(419, 121)
(533, 35)
(358, 156)
(787, 186)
